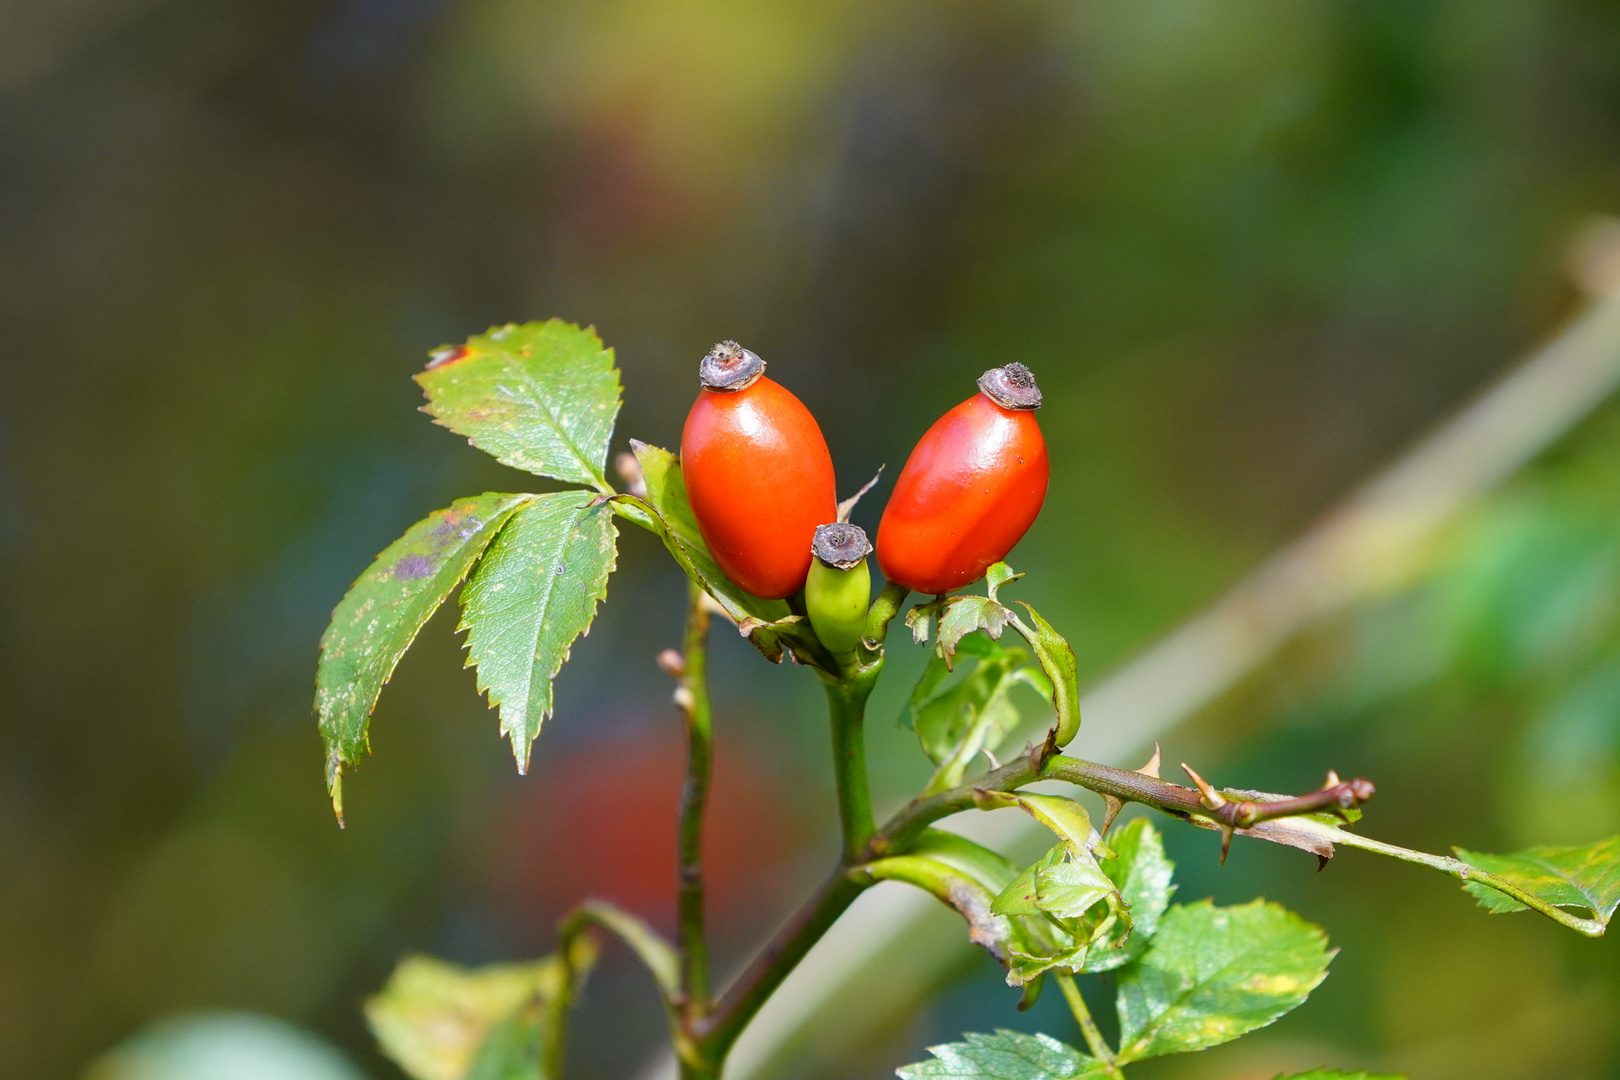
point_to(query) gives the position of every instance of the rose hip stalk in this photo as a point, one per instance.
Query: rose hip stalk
(970, 490)
(758, 474)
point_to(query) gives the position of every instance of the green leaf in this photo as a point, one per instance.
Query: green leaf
(1024, 967)
(1070, 889)
(434, 1019)
(1581, 877)
(534, 593)
(1057, 660)
(1065, 817)
(540, 397)
(768, 624)
(1142, 873)
(382, 612)
(1212, 974)
(965, 614)
(1006, 1055)
(1334, 1074)
(1022, 895)
(515, 1047)
(996, 576)
(954, 723)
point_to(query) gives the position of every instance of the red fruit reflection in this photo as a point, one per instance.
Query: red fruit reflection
(599, 822)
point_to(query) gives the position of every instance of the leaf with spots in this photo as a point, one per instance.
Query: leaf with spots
(1006, 1055)
(541, 397)
(1212, 974)
(533, 595)
(1579, 877)
(382, 612)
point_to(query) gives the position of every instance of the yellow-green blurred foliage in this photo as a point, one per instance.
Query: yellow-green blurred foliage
(1250, 248)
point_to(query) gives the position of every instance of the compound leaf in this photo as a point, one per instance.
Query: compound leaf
(534, 593)
(1143, 874)
(1587, 876)
(382, 612)
(540, 397)
(1006, 1055)
(1212, 974)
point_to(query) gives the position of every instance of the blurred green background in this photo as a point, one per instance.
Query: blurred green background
(1252, 249)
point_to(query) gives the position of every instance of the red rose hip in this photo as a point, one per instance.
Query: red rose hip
(970, 490)
(758, 474)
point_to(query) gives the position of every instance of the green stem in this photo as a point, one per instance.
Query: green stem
(1465, 872)
(846, 708)
(693, 697)
(743, 999)
(648, 946)
(1088, 1027)
(880, 615)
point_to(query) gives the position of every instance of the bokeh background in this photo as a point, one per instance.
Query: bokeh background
(1252, 249)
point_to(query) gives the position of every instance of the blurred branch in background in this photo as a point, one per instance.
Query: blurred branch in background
(1376, 542)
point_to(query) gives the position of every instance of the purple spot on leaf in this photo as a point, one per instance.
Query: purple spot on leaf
(412, 567)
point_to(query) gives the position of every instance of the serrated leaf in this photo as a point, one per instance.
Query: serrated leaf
(1334, 1074)
(535, 592)
(1586, 876)
(965, 614)
(1212, 974)
(768, 624)
(1143, 875)
(541, 397)
(434, 1019)
(1006, 1055)
(382, 612)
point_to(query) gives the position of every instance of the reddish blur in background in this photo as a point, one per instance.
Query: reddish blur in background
(1251, 250)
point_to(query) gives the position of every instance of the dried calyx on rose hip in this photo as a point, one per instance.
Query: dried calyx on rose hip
(758, 474)
(839, 587)
(970, 489)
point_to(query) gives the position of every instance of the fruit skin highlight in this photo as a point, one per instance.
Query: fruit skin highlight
(839, 587)
(970, 489)
(758, 474)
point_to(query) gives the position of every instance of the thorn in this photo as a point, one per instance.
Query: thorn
(1226, 842)
(1152, 767)
(1332, 780)
(994, 764)
(1111, 809)
(672, 662)
(1321, 862)
(1212, 798)
(683, 699)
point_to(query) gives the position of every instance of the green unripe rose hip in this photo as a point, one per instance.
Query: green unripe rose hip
(839, 587)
